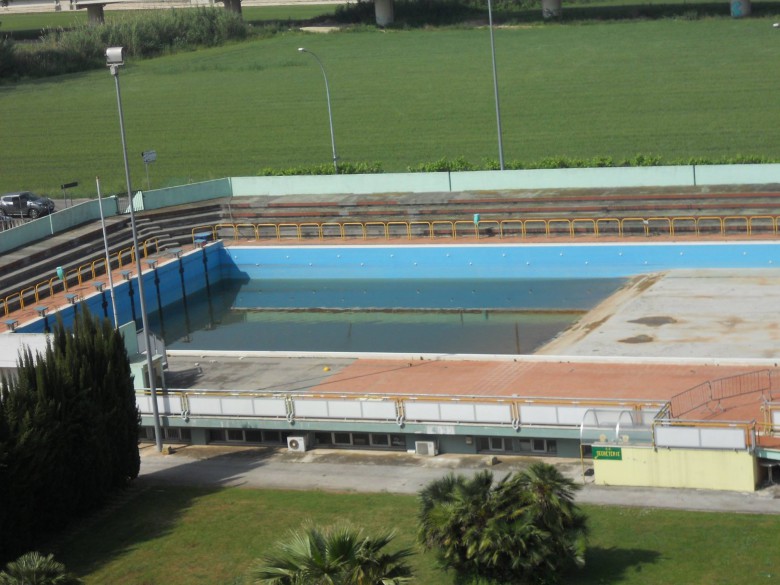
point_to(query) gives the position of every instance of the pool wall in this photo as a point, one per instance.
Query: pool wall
(162, 287)
(609, 260)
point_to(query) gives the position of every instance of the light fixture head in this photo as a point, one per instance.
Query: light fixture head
(115, 56)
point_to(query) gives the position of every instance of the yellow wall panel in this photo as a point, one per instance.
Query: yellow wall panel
(679, 468)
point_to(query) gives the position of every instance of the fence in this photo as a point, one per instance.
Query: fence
(717, 390)
(759, 225)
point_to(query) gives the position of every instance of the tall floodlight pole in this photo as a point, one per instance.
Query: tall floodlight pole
(330, 113)
(114, 60)
(108, 256)
(495, 87)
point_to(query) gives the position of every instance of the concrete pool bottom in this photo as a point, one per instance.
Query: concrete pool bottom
(712, 313)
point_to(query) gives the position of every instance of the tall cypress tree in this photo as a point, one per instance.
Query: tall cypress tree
(68, 431)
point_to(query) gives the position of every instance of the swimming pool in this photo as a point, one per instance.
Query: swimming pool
(496, 295)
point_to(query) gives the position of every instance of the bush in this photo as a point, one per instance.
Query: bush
(144, 35)
(345, 168)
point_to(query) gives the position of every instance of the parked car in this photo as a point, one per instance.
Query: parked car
(25, 204)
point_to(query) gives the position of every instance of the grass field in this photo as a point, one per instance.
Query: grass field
(672, 88)
(193, 536)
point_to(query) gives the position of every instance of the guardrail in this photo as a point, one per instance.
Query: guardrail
(398, 409)
(490, 228)
(73, 277)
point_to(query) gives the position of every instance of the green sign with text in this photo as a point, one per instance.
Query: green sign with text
(614, 453)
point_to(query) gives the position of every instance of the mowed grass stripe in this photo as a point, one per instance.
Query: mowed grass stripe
(193, 536)
(671, 88)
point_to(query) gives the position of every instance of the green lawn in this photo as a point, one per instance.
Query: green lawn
(192, 536)
(673, 88)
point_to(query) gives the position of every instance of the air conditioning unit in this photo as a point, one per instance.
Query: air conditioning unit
(426, 448)
(298, 444)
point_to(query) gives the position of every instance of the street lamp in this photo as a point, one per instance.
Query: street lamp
(495, 87)
(330, 114)
(114, 60)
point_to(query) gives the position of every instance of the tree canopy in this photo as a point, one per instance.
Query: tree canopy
(525, 529)
(68, 432)
(339, 556)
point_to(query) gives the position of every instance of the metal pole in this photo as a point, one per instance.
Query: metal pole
(139, 270)
(108, 256)
(495, 88)
(330, 113)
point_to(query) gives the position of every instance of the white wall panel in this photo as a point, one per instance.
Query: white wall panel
(422, 410)
(312, 408)
(723, 438)
(379, 410)
(538, 415)
(571, 415)
(344, 409)
(493, 413)
(457, 412)
(269, 407)
(677, 437)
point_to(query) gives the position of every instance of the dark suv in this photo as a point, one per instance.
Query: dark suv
(25, 204)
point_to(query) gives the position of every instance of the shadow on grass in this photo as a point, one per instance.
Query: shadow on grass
(612, 565)
(151, 508)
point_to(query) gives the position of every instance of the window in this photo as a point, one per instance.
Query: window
(323, 439)
(490, 444)
(360, 439)
(272, 437)
(380, 440)
(398, 441)
(254, 436)
(342, 439)
(216, 435)
(235, 435)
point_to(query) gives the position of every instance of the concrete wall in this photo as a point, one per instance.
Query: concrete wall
(58, 222)
(679, 468)
(171, 196)
(593, 178)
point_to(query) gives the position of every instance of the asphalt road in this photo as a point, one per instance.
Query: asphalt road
(402, 473)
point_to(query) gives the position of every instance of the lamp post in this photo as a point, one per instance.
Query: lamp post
(495, 87)
(330, 113)
(114, 60)
(108, 255)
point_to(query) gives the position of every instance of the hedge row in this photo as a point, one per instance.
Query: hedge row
(146, 34)
(560, 162)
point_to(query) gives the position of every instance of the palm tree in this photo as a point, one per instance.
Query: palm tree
(35, 569)
(339, 556)
(524, 529)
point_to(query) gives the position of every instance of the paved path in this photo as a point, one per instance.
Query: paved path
(402, 473)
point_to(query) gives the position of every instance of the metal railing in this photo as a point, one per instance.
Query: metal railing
(712, 392)
(73, 277)
(556, 227)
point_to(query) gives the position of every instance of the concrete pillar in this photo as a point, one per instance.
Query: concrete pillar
(95, 14)
(384, 12)
(740, 8)
(551, 8)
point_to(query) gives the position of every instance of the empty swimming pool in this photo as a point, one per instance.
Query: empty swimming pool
(411, 298)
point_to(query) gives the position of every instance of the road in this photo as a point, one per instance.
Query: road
(402, 473)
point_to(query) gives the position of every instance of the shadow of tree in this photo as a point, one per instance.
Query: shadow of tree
(611, 565)
(149, 510)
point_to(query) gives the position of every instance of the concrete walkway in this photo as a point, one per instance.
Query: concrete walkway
(403, 473)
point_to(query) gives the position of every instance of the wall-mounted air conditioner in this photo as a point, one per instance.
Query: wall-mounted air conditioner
(297, 444)
(425, 448)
